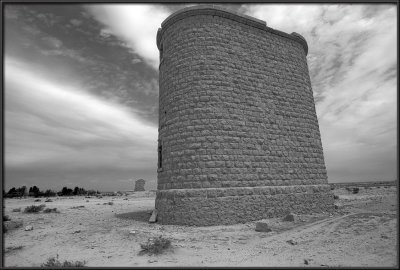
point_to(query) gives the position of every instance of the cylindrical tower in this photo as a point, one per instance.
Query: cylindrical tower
(238, 133)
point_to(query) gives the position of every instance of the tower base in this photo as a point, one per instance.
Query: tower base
(223, 206)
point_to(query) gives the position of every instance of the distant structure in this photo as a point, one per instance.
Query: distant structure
(139, 185)
(239, 138)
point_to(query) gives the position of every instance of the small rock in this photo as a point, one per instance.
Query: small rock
(152, 261)
(133, 232)
(153, 217)
(305, 261)
(336, 206)
(48, 200)
(29, 228)
(384, 236)
(87, 200)
(78, 231)
(262, 227)
(291, 242)
(289, 217)
(38, 200)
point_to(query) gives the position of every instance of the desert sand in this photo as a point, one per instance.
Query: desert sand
(361, 232)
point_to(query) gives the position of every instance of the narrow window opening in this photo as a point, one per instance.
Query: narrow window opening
(161, 53)
(160, 156)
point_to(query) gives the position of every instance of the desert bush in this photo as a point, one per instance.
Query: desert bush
(355, 190)
(50, 210)
(34, 208)
(335, 197)
(155, 245)
(77, 207)
(6, 218)
(17, 210)
(9, 249)
(109, 203)
(11, 225)
(54, 262)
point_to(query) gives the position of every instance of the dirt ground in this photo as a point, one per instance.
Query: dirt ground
(361, 233)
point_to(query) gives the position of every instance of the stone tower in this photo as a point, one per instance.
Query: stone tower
(139, 185)
(238, 133)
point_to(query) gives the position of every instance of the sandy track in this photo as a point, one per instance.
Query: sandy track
(361, 233)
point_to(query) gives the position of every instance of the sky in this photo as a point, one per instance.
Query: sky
(81, 90)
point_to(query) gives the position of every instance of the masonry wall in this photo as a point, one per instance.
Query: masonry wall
(236, 117)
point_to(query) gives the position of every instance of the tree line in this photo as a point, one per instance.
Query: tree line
(36, 192)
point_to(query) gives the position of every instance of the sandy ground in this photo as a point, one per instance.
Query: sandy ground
(362, 232)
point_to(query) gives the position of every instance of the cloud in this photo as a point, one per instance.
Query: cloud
(352, 60)
(135, 24)
(48, 125)
(75, 22)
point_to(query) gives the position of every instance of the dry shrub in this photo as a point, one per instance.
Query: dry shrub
(17, 210)
(77, 207)
(34, 208)
(50, 210)
(9, 249)
(11, 225)
(155, 245)
(54, 262)
(6, 218)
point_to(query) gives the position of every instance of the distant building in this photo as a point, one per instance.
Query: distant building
(139, 185)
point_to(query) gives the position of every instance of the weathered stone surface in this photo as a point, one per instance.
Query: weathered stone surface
(139, 185)
(238, 133)
(262, 227)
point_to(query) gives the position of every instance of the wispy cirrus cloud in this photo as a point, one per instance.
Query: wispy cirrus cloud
(136, 24)
(51, 125)
(352, 60)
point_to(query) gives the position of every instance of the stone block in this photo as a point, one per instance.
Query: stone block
(262, 227)
(153, 217)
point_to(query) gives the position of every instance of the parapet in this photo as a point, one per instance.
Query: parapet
(215, 10)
